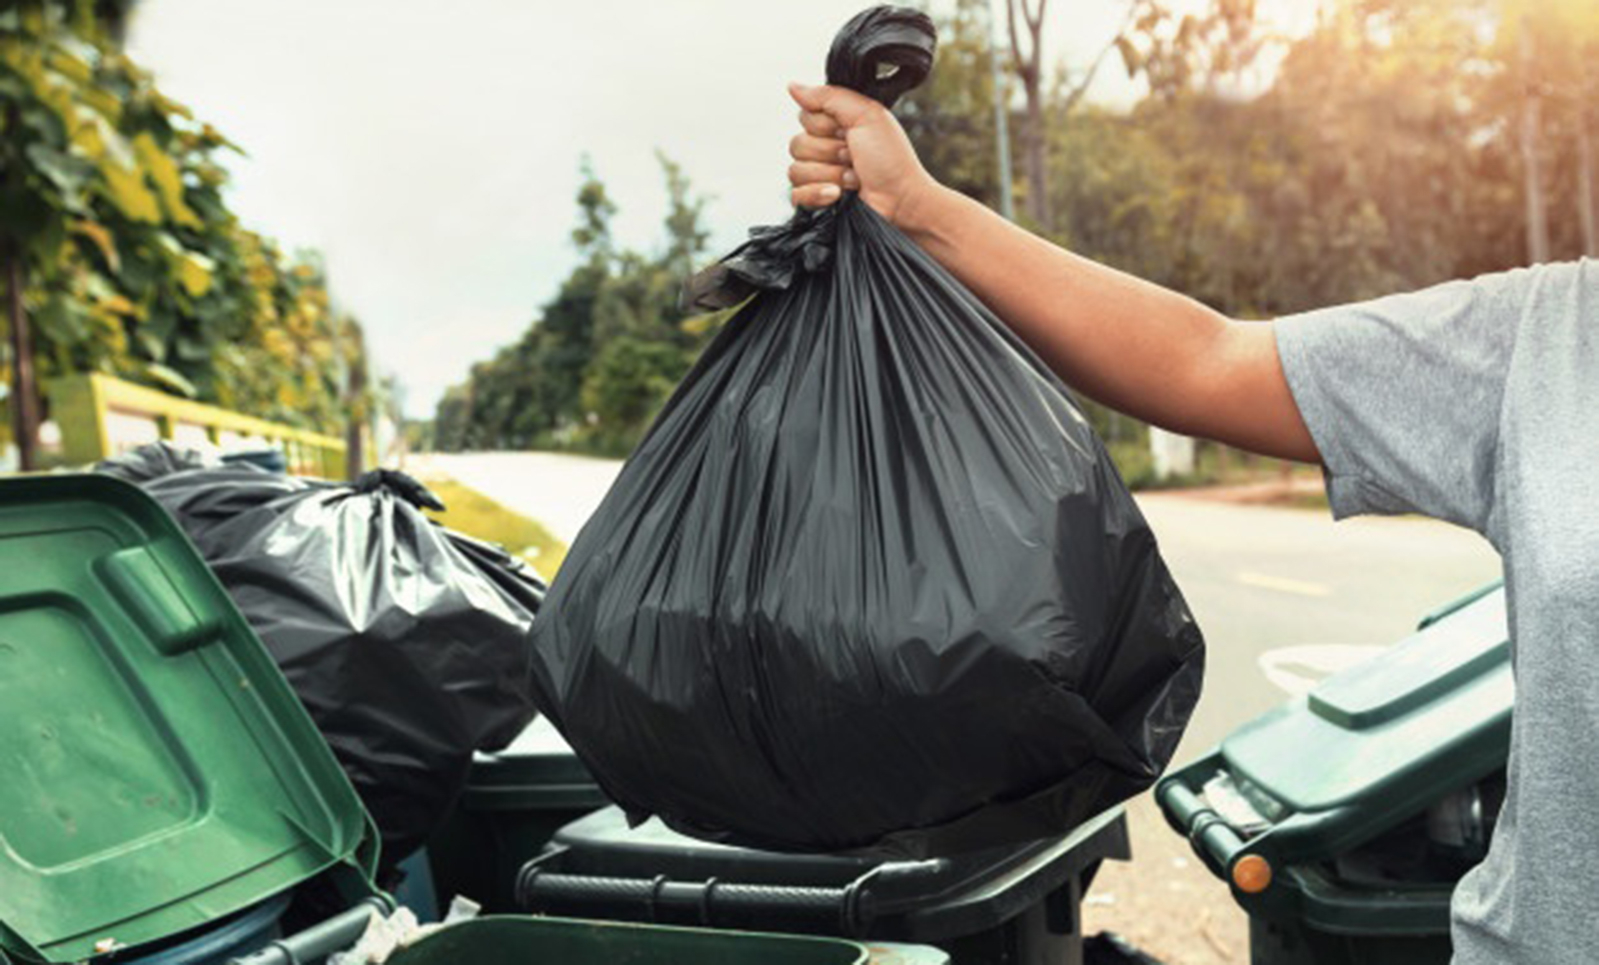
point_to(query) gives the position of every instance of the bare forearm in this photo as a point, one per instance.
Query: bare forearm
(1130, 344)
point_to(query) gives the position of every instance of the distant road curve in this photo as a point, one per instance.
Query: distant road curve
(561, 491)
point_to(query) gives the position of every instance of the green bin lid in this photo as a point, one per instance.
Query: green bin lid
(158, 771)
(1429, 707)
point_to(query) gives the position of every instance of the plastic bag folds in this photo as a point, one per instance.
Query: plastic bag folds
(870, 581)
(406, 642)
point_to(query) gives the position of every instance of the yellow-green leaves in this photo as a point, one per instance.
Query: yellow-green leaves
(135, 266)
(101, 237)
(190, 269)
(164, 173)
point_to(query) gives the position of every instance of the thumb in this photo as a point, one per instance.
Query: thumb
(845, 106)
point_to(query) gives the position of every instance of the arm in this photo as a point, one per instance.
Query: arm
(1130, 344)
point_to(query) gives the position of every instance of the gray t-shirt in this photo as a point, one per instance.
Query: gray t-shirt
(1478, 402)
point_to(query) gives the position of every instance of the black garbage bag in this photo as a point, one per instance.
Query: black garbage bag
(406, 642)
(870, 581)
(157, 459)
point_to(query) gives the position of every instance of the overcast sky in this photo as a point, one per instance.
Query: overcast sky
(431, 150)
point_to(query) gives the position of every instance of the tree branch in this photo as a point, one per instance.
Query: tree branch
(1015, 44)
(1076, 94)
(1036, 24)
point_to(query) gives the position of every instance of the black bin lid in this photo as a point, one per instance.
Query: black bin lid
(538, 770)
(597, 866)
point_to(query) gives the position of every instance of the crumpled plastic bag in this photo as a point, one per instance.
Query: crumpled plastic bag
(870, 581)
(406, 642)
(386, 935)
(157, 459)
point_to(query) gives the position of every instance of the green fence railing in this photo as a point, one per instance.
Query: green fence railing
(100, 416)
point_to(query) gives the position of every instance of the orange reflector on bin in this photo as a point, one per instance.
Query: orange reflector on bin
(1252, 874)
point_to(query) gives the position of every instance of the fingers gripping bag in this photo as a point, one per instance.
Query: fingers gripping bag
(870, 582)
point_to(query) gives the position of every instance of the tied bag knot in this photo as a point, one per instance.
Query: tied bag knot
(884, 53)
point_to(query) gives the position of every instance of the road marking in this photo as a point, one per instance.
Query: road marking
(1297, 670)
(1282, 584)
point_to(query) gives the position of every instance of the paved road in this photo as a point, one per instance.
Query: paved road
(559, 491)
(1282, 590)
(1284, 596)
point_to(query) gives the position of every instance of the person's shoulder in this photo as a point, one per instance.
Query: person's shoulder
(1582, 272)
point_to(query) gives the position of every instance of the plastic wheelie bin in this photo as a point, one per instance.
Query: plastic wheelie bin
(167, 801)
(1343, 819)
(513, 802)
(1010, 905)
(164, 790)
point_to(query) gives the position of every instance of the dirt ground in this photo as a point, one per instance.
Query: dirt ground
(1164, 901)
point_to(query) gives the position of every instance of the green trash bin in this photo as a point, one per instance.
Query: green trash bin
(542, 941)
(163, 788)
(1343, 819)
(513, 802)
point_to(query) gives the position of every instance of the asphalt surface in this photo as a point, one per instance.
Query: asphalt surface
(1285, 597)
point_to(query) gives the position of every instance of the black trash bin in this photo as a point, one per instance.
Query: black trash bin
(1009, 906)
(1343, 819)
(513, 802)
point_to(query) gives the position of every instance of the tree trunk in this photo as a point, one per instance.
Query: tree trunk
(1007, 199)
(1029, 68)
(1590, 235)
(24, 394)
(1531, 124)
(356, 410)
(1038, 206)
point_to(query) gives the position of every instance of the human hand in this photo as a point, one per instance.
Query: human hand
(851, 142)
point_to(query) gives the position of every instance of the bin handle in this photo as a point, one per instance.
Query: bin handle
(1211, 837)
(708, 903)
(319, 941)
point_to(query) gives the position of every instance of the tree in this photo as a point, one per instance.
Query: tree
(121, 255)
(1027, 57)
(686, 235)
(603, 354)
(950, 118)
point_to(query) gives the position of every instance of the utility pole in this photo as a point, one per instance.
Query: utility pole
(1007, 200)
(1537, 220)
(1585, 198)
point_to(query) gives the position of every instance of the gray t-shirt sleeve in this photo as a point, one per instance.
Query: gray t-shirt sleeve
(1403, 395)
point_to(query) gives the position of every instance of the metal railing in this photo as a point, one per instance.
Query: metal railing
(100, 416)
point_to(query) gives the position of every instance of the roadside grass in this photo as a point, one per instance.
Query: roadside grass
(475, 514)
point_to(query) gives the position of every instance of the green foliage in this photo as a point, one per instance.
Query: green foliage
(1383, 154)
(469, 511)
(111, 197)
(951, 117)
(604, 354)
(627, 383)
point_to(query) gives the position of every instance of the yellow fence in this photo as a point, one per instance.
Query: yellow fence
(100, 416)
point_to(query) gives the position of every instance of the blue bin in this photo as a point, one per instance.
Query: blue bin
(232, 937)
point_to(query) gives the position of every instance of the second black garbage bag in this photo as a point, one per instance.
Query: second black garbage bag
(407, 642)
(870, 581)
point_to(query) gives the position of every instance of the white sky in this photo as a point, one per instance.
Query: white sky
(431, 150)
